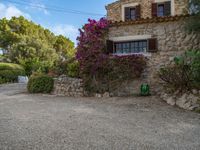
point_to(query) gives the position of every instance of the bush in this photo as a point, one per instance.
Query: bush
(176, 77)
(10, 66)
(10, 72)
(40, 84)
(73, 69)
(183, 74)
(113, 72)
(2, 80)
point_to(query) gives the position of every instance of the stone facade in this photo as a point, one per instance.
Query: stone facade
(114, 10)
(66, 86)
(172, 40)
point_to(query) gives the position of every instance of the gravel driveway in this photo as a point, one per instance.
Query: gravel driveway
(42, 122)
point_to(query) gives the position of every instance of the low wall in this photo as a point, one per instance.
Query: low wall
(187, 100)
(66, 86)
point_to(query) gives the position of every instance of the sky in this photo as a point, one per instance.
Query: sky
(60, 16)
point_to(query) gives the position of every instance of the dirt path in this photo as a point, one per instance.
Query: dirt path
(41, 122)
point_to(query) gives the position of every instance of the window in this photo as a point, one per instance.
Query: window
(160, 10)
(130, 47)
(131, 13)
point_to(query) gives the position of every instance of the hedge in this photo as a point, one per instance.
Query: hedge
(9, 72)
(40, 84)
(10, 66)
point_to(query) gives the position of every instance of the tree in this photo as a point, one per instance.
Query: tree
(33, 46)
(64, 47)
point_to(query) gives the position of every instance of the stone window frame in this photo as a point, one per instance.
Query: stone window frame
(127, 5)
(172, 5)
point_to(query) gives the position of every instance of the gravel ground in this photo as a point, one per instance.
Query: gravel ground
(44, 122)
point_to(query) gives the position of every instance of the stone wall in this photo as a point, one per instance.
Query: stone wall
(114, 10)
(188, 100)
(172, 41)
(66, 86)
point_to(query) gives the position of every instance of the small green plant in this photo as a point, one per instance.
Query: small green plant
(40, 84)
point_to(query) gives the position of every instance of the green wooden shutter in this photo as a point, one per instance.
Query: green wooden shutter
(167, 8)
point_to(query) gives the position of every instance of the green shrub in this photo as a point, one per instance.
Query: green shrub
(40, 84)
(176, 77)
(9, 72)
(10, 66)
(183, 74)
(2, 80)
(73, 69)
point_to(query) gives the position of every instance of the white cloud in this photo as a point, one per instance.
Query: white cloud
(37, 5)
(69, 31)
(9, 11)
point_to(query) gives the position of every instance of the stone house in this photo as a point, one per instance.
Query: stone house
(154, 28)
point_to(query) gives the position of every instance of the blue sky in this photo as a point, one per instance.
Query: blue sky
(40, 11)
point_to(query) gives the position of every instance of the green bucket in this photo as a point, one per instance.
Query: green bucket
(145, 90)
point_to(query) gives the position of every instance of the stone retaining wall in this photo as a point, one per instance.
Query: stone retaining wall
(66, 86)
(188, 100)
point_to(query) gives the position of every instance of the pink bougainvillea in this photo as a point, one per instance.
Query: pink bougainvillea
(97, 68)
(91, 46)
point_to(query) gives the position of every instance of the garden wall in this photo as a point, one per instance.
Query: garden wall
(172, 39)
(66, 86)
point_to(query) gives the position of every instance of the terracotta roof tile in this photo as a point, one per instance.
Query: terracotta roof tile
(149, 20)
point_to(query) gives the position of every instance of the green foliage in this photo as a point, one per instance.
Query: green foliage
(176, 77)
(32, 46)
(64, 47)
(10, 72)
(40, 84)
(184, 73)
(3, 80)
(113, 72)
(73, 69)
(68, 67)
(10, 66)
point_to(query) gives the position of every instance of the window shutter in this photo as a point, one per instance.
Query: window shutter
(154, 10)
(109, 46)
(167, 8)
(127, 13)
(153, 45)
(138, 12)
